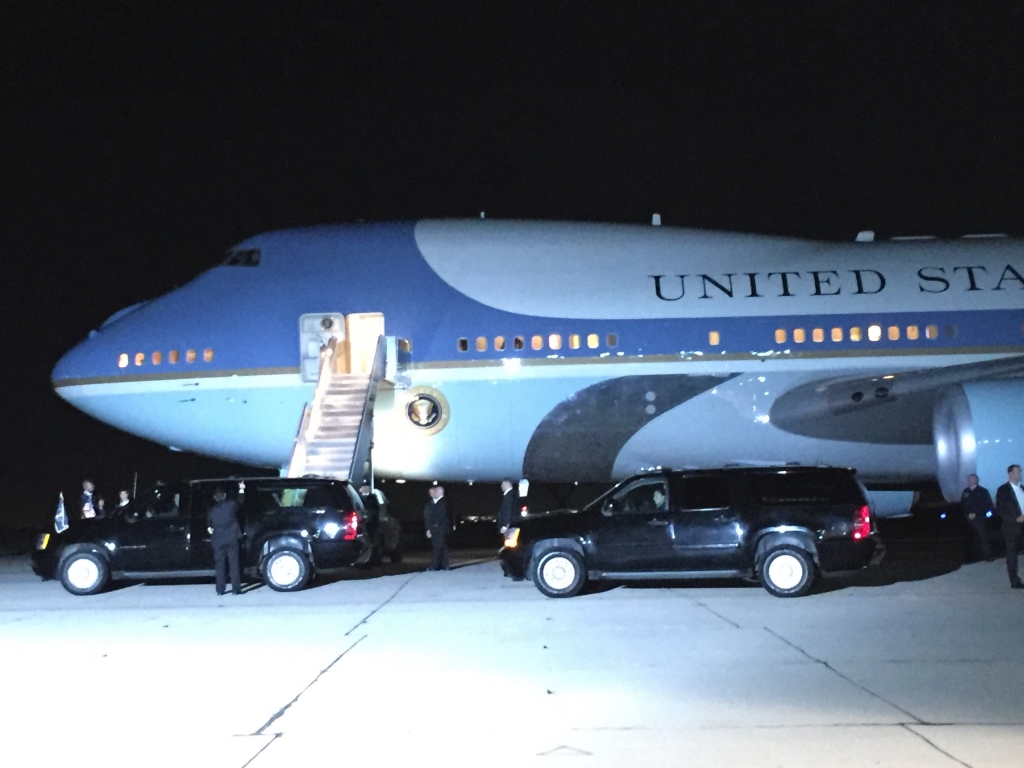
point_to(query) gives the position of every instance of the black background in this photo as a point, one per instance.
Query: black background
(139, 140)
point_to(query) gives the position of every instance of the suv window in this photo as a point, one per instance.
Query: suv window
(270, 499)
(701, 493)
(804, 488)
(646, 495)
(162, 502)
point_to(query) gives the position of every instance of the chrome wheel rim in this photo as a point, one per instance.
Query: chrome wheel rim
(786, 571)
(83, 573)
(285, 570)
(559, 572)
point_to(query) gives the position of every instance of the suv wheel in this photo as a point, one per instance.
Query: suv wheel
(559, 572)
(285, 570)
(786, 572)
(84, 573)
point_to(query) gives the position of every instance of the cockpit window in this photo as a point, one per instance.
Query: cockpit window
(243, 257)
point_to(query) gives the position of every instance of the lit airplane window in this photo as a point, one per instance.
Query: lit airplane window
(714, 338)
(780, 335)
(190, 356)
(555, 341)
(592, 341)
(207, 355)
(874, 332)
(574, 341)
(481, 343)
(172, 356)
(894, 333)
(931, 332)
(912, 333)
(837, 334)
(157, 358)
(818, 335)
(537, 342)
(499, 343)
(122, 360)
(405, 345)
(855, 334)
(799, 336)
(140, 358)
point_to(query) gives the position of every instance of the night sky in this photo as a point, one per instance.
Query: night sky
(138, 141)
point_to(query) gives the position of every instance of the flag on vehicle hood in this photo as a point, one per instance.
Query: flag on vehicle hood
(60, 520)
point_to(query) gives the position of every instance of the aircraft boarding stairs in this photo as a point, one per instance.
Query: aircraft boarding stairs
(336, 430)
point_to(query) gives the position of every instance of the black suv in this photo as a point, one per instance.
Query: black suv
(291, 528)
(780, 526)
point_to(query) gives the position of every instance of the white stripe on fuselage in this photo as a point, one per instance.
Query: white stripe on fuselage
(602, 271)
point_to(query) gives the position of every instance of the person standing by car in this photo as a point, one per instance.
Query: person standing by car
(509, 502)
(1010, 508)
(122, 500)
(438, 525)
(976, 503)
(222, 520)
(86, 507)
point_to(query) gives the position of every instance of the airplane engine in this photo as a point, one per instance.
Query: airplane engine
(978, 428)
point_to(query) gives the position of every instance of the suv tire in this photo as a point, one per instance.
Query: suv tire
(786, 571)
(285, 570)
(558, 572)
(84, 573)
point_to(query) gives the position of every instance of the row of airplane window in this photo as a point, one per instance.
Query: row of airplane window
(874, 333)
(554, 341)
(173, 357)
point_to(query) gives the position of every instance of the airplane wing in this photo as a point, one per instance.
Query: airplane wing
(892, 408)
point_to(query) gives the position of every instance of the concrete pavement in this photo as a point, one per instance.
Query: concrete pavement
(468, 668)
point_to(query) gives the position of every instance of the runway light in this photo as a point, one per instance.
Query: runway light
(988, 514)
(943, 515)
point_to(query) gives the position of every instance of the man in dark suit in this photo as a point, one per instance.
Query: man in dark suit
(1010, 508)
(976, 503)
(222, 519)
(509, 503)
(438, 524)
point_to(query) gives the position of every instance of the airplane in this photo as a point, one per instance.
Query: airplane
(473, 350)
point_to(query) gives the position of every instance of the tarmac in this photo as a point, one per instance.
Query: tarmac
(917, 665)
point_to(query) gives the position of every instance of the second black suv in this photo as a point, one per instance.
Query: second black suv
(291, 528)
(780, 526)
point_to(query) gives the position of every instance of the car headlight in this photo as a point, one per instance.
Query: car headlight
(512, 538)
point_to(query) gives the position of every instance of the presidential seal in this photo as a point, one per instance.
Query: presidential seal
(426, 409)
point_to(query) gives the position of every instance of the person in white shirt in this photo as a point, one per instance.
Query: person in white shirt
(1010, 508)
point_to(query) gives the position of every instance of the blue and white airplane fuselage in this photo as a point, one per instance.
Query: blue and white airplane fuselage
(583, 352)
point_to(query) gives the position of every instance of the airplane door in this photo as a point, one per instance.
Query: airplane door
(363, 331)
(356, 337)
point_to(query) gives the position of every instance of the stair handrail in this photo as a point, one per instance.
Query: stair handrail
(323, 384)
(310, 422)
(298, 460)
(364, 435)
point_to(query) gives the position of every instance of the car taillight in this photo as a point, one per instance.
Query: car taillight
(524, 510)
(351, 526)
(512, 538)
(862, 524)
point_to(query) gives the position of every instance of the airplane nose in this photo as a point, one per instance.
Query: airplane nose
(70, 366)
